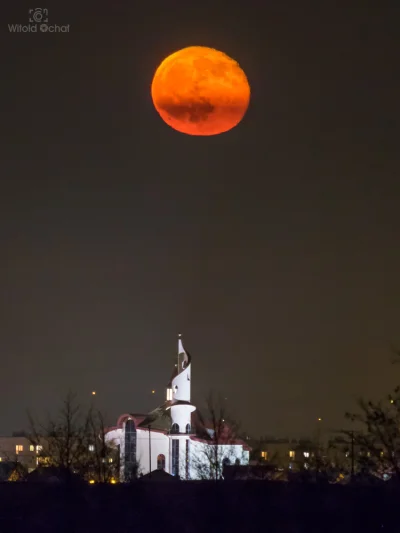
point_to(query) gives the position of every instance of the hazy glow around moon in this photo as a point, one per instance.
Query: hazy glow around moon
(200, 91)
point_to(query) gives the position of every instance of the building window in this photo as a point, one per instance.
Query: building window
(175, 457)
(306, 454)
(91, 447)
(130, 450)
(237, 462)
(110, 460)
(264, 455)
(188, 428)
(19, 448)
(174, 429)
(39, 448)
(32, 448)
(226, 461)
(161, 461)
(169, 394)
(291, 454)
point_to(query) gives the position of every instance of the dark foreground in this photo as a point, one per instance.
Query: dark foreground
(199, 507)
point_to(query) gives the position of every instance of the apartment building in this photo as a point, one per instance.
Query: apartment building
(19, 449)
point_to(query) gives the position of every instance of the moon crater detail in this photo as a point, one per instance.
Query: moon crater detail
(200, 91)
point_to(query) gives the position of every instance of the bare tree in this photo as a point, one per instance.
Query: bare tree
(74, 442)
(378, 442)
(61, 441)
(220, 447)
(102, 459)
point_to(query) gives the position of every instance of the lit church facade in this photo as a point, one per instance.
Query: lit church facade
(173, 437)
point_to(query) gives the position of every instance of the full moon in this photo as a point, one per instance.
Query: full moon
(200, 91)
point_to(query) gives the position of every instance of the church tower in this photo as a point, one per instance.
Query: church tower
(179, 392)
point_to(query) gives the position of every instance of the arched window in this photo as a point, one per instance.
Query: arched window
(175, 457)
(237, 462)
(226, 461)
(174, 429)
(130, 450)
(188, 428)
(161, 461)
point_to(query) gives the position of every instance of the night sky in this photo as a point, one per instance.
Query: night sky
(273, 248)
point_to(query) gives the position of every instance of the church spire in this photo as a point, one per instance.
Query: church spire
(183, 358)
(179, 394)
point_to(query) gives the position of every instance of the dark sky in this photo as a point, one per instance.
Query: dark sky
(273, 248)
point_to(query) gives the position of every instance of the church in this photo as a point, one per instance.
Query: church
(174, 437)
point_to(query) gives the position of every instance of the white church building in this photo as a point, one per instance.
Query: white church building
(174, 437)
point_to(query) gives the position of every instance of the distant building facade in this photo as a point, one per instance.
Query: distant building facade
(19, 450)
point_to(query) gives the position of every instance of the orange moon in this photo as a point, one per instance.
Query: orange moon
(200, 91)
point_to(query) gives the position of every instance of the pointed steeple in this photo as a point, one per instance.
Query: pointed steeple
(180, 382)
(183, 358)
(179, 391)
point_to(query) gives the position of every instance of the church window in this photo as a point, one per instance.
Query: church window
(188, 428)
(187, 459)
(130, 449)
(175, 457)
(174, 429)
(161, 461)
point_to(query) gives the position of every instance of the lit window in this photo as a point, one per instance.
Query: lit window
(169, 394)
(19, 448)
(291, 454)
(39, 448)
(91, 447)
(32, 448)
(1, 459)
(306, 454)
(264, 455)
(110, 460)
(382, 454)
(161, 462)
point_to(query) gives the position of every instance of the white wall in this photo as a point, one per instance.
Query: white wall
(181, 415)
(159, 444)
(200, 453)
(181, 385)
